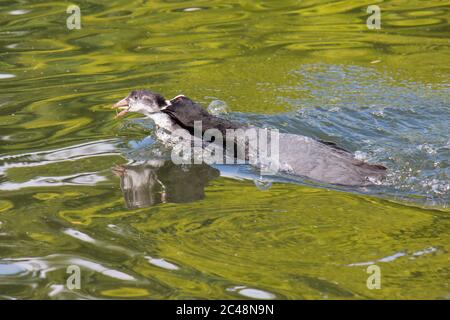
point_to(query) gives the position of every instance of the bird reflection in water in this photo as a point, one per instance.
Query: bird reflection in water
(161, 181)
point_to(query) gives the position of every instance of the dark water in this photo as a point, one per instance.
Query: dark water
(79, 188)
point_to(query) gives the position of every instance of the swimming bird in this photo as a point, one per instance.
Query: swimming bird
(299, 155)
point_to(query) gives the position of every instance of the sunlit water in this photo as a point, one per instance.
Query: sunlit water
(79, 188)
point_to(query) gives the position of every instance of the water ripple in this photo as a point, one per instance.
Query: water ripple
(306, 67)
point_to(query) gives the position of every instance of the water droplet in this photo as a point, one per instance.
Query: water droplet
(217, 107)
(359, 155)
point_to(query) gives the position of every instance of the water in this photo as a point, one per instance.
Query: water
(79, 188)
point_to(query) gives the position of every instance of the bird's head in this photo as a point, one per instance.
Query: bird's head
(141, 101)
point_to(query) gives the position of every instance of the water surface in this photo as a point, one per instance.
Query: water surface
(78, 188)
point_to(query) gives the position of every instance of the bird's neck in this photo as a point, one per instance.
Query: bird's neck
(163, 120)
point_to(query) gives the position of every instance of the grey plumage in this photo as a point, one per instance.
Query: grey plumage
(304, 156)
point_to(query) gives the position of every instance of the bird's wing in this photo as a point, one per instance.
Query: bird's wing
(187, 113)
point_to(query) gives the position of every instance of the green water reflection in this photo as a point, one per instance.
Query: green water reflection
(205, 236)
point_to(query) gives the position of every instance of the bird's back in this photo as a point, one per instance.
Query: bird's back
(298, 155)
(186, 112)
